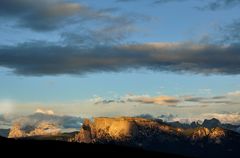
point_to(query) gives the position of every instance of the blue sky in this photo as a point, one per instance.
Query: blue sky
(175, 27)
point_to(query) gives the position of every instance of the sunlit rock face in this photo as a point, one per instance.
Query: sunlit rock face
(142, 131)
(40, 129)
(214, 135)
(107, 128)
(16, 132)
(217, 134)
(200, 133)
(121, 129)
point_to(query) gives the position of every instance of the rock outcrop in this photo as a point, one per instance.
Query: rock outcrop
(121, 129)
(213, 135)
(200, 133)
(16, 131)
(107, 129)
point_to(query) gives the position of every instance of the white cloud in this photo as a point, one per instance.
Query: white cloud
(47, 112)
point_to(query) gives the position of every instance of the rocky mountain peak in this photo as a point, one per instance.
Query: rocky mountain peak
(212, 123)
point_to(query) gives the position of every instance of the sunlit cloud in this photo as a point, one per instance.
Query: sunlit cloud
(48, 112)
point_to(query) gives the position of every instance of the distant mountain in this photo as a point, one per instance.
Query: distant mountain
(212, 123)
(207, 123)
(155, 135)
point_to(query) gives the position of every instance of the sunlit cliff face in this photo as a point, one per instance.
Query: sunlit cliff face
(116, 128)
(125, 129)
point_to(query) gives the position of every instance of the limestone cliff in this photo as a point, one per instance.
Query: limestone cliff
(120, 129)
(140, 131)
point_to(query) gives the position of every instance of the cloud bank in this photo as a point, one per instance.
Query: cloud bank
(231, 98)
(47, 117)
(40, 58)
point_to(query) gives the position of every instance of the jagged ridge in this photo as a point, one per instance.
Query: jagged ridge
(159, 136)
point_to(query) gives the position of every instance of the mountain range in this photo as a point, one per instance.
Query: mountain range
(208, 139)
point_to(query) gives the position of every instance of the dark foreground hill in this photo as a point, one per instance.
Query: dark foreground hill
(44, 148)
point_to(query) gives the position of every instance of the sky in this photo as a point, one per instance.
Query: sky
(121, 58)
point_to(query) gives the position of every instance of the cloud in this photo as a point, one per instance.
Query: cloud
(48, 15)
(159, 100)
(5, 122)
(212, 5)
(173, 101)
(154, 1)
(234, 94)
(167, 1)
(108, 35)
(47, 117)
(40, 58)
(142, 99)
(220, 4)
(232, 118)
(41, 15)
(47, 112)
(231, 32)
(209, 100)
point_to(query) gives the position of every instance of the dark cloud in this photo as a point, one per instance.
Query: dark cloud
(194, 99)
(154, 1)
(39, 58)
(48, 15)
(167, 1)
(109, 101)
(219, 97)
(231, 32)
(41, 15)
(220, 4)
(210, 100)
